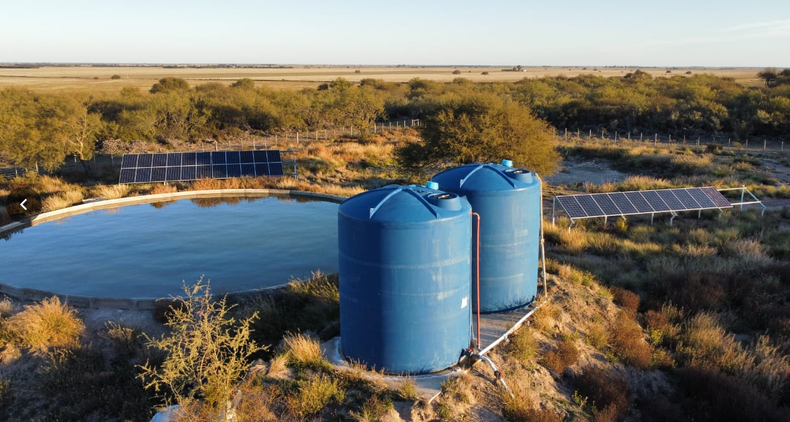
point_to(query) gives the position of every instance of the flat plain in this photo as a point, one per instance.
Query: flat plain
(99, 78)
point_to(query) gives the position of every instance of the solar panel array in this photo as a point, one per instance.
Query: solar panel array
(183, 166)
(642, 202)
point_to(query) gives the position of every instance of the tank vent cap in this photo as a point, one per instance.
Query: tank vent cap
(448, 201)
(432, 185)
(507, 163)
(521, 175)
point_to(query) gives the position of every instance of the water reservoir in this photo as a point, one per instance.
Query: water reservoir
(508, 202)
(405, 278)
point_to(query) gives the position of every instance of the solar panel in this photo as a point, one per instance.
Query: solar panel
(158, 174)
(607, 205)
(176, 166)
(622, 202)
(701, 198)
(655, 200)
(127, 175)
(218, 157)
(247, 157)
(248, 170)
(671, 200)
(716, 197)
(589, 205)
(129, 160)
(234, 170)
(142, 175)
(159, 160)
(571, 206)
(686, 199)
(641, 202)
(276, 169)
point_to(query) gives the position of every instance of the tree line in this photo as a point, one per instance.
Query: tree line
(462, 119)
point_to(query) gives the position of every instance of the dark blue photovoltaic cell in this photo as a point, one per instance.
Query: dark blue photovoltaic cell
(188, 159)
(158, 174)
(571, 206)
(220, 171)
(143, 175)
(590, 207)
(160, 160)
(218, 157)
(197, 165)
(203, 158)
(639, 202)
(129, 161)
(606, 204)
(247, 157)
(188, 173)
(273, 155)
(276, 169)
(688, 202)
(234, 170)
(717, 197)
(233, 157)
(173, 174)
(260, 156)
(671, 200)
(127, 176)
(203, 172)
(701, 198)
(248, 170)
(144, 160)
(174, 159)
(655, 200)
(623, 203)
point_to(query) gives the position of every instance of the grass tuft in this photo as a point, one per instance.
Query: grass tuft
(46, 325)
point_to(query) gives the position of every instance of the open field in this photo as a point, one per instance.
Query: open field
(65, 78)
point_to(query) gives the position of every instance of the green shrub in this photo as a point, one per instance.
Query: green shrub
(522, 345)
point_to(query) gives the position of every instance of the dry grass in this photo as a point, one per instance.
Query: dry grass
(62, 200)
(564, 356)
(110, 191)
(303, 349)
(315, 393)
(47, 324)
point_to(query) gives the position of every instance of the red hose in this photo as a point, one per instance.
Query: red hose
(477, 277)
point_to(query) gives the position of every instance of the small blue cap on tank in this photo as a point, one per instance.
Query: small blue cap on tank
(432, 185)
(507, 163)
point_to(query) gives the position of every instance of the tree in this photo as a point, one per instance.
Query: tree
(769, 75)
(169, 84)
(483, 127)
(207, 350)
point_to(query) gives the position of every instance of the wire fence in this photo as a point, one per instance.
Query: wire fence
(754, 145)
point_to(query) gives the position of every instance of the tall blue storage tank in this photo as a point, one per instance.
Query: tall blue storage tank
(405, 278)
(509, 203)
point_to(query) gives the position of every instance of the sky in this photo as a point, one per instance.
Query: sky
(679, 33)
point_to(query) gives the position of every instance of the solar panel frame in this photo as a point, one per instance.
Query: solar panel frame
(247, 157)
(144, 160)
(233, 157)
(276, 169)
(142, 175)
(174, 159)
(273, 156)
(218, 157)
(188, 159)
(173, 174)
(639, 202)
(590, 207)
(159, 174)
(127, 176)
(129, 161)
(655, 200)
(159, 160)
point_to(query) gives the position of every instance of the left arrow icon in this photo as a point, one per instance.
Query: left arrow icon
(22, 204)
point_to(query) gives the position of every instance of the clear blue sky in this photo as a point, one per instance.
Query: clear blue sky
(429, 32)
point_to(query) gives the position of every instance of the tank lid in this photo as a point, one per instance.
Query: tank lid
(432, 185)
(411, 203)
(484, 177)
(507, 163)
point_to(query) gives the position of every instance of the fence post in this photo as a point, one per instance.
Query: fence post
(765, 144)
(297, 137)
(698, 140)
(729, 142)
(602, 134)
(629, 135)
(747, 145)
(655, 140)
(590, 134)
(566, 134)
(670, 139)
(577, 133)
(783, 146)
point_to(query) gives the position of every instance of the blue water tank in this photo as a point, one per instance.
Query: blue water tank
(509, 203)
(405, 278)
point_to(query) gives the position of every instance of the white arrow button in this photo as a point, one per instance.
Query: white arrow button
(22, 204)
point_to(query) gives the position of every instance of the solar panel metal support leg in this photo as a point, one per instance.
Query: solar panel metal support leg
(699, 214)
(605, 218)
(553, 205)
(672, 218)
(651, 218)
